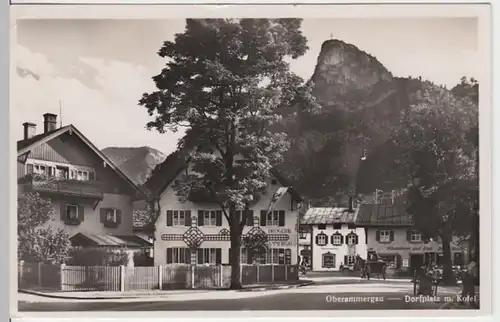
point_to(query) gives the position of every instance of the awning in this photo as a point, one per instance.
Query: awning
(93, 240)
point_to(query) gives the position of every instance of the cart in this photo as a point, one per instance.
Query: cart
(426, 282)
(379, 268)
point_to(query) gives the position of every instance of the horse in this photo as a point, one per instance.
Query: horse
(366, 268)
(360, 264)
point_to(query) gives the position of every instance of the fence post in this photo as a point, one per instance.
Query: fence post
(62, 282)
(122, 278)
(192, 275)
(160, 277)
(221, 278)
(40, 274)
(272, 272)
(286, 273)
(241, 273)
(258, 273)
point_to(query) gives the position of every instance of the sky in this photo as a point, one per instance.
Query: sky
(91, 73)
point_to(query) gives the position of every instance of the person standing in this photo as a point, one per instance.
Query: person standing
(470, 275)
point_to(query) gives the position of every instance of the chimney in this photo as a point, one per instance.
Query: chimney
(351, 208)
(29, 130)
(49, 122)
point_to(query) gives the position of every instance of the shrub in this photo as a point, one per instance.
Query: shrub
(97, 257)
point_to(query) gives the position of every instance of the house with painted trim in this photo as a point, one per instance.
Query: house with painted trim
(92, 198)
(336, 240)
(195, 231)
(391, 235)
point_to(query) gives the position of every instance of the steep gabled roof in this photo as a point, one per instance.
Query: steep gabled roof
(166, 172)
(383, 215)
(329, 215)
(25, 146)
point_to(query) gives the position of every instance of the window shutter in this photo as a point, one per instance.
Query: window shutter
(392, 235)
(200, 217)
(229, 256)
(408, 235)
(218, 218)
(377, 235)
(29, 168)
(81, 213)
(263, 215)
(63, 212)
(346, 240)
(345, 260)
(317, 239)
(331, 240)
(187, 256)
(118, 217)
(356, 239)
(187, 218)
(281, 218)
(342, 239)
(91, 175)
(218, 254)
(169, 218)
(169, 255)
(249, 218)
(200, 256)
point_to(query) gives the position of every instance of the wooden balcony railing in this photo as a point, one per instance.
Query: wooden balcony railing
(69, 187)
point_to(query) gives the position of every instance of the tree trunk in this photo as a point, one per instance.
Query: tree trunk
(236, 231)
(448, 278)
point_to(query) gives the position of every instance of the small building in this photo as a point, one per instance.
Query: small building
(336, 240)
(194, 230)
(390, 234)
(92, 198)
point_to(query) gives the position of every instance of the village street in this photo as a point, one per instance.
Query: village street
(328, 293)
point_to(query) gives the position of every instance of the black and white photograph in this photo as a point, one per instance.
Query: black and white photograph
(234, 163)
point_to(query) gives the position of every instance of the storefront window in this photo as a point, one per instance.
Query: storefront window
(328, 260)
(389, 259)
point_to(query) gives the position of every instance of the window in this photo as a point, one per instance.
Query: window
(303, 235)
(389, 259)
(209, 218)
(385, 236)
(275, 256)
(82, 175)
(272, 218)
(111, 215)
(351, 226)
(208, 256)
(352, 239)
(178, 255)
(415, 236)
(321, 239)
(71, 212)
(337, 226)
(328, 260)
(322, 227)
(179, 218)
(337, 239)
(350, 260)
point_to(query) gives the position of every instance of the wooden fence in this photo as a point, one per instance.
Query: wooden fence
(121, 278)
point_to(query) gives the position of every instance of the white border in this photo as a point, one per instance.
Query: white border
(303, 11)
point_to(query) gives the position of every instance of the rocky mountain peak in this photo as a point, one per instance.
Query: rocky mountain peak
(343, 69)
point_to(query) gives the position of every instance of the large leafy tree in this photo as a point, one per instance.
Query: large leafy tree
(228, 81)
(439, 159)
(36, 241)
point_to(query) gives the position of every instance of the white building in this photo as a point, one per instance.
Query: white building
(335, 238)
(195, 231)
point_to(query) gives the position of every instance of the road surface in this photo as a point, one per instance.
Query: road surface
(373, 296)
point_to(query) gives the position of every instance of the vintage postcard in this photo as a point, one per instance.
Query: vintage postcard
(277, 160)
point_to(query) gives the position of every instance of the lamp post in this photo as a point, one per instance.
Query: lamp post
(354, 185)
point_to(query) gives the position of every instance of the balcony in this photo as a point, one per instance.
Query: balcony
(61, 186)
